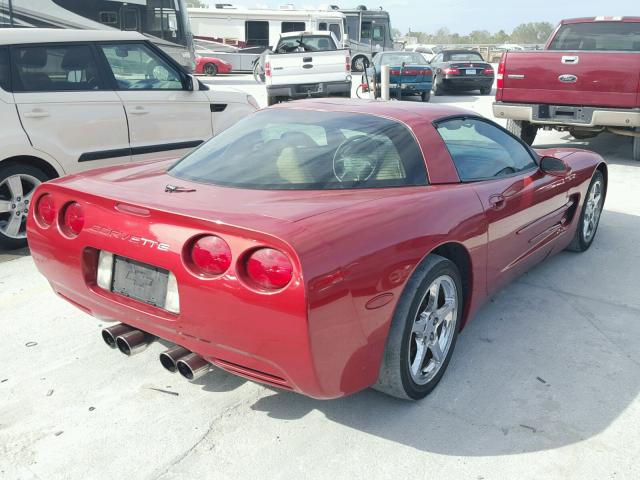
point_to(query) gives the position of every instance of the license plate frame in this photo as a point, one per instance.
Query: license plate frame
(471, 71)
(140, 281)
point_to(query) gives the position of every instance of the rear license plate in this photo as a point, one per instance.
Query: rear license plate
(140, 281)
(471, 72)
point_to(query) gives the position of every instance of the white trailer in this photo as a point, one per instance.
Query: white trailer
(244, 28)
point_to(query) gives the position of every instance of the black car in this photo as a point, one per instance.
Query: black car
(461, 70)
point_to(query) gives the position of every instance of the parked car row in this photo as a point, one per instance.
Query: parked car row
(283, 247)
(74, 100)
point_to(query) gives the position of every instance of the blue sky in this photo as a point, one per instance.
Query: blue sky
(462, 16)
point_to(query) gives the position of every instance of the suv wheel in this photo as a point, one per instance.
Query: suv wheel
(17, 184)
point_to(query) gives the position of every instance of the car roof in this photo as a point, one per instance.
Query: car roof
(324, 33)
(459, 50)
(11, 36)
(410, 113)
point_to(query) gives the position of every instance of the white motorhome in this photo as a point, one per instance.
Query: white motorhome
(243, 27)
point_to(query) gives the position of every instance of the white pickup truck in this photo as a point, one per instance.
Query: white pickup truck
(307, 64)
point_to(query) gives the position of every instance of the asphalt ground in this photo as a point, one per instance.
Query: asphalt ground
(544, 382)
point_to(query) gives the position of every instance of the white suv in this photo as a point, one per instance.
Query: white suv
(72, 100)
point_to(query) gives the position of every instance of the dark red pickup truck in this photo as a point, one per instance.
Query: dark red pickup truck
(585, 81)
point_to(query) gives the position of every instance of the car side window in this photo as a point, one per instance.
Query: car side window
(53, 68)
(481, 150)
(4, 68)
(135, 66)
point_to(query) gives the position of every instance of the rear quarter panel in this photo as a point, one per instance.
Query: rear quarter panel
(354, 284)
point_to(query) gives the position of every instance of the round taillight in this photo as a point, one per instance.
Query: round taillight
(73, 218)
(269, 268)
(211, 255)
(46, 209)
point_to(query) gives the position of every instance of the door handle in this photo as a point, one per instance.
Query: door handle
(36, 113)
(138, 111)
(497, 202)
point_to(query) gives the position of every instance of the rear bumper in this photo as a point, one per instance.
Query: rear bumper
(541, 114)
(270, 338)
(410, 88)
(467, 82)
(322, 89)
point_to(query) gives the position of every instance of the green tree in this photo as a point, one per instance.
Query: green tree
(532, 32)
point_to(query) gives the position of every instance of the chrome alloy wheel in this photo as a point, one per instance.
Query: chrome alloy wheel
(16, 193)
(433, 329)
(592, 211)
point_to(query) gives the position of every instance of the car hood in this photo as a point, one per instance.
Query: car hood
(145, 185)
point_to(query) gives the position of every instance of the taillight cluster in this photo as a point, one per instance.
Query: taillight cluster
(451, 71)
(347, 65)
(266, 268)
(500, 76)
(267, 69)
(487, 71)
(71, 220)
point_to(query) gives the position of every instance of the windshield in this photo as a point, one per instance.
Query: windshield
(611, 36)
(397, 59)
(306, 43)
(463, 57)
(282, 149)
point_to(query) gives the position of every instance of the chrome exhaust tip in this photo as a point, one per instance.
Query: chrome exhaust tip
(134, 342)
(169, 358)
(193, 366)
(110, 334)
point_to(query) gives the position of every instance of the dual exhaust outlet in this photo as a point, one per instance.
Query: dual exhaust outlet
(177, 359)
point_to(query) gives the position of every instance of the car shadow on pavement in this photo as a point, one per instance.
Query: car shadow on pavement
(6, 255)
(551, 360)
(615, 148)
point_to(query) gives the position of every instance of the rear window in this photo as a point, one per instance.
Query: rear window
(396, 59)
(463, 57)
(307, 150)
(603, 36)
(307, 43)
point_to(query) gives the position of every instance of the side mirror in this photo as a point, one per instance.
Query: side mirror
(192, 83)
(554, 166)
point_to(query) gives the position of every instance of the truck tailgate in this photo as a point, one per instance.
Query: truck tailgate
(308, 67)
(603, 79)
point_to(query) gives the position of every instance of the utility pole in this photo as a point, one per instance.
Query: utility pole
(10, 13)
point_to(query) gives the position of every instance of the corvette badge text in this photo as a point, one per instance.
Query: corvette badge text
(127, 237)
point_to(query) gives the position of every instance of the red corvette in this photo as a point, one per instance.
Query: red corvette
(211, 66)
(319, 246)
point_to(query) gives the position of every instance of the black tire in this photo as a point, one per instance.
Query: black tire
(485, 91)
(636, 146)
(582, 134)
(395, 377)
(579, 242)
(524, 130)
(210, 69)
(6, 171)
(426, 96)
(438, 87)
